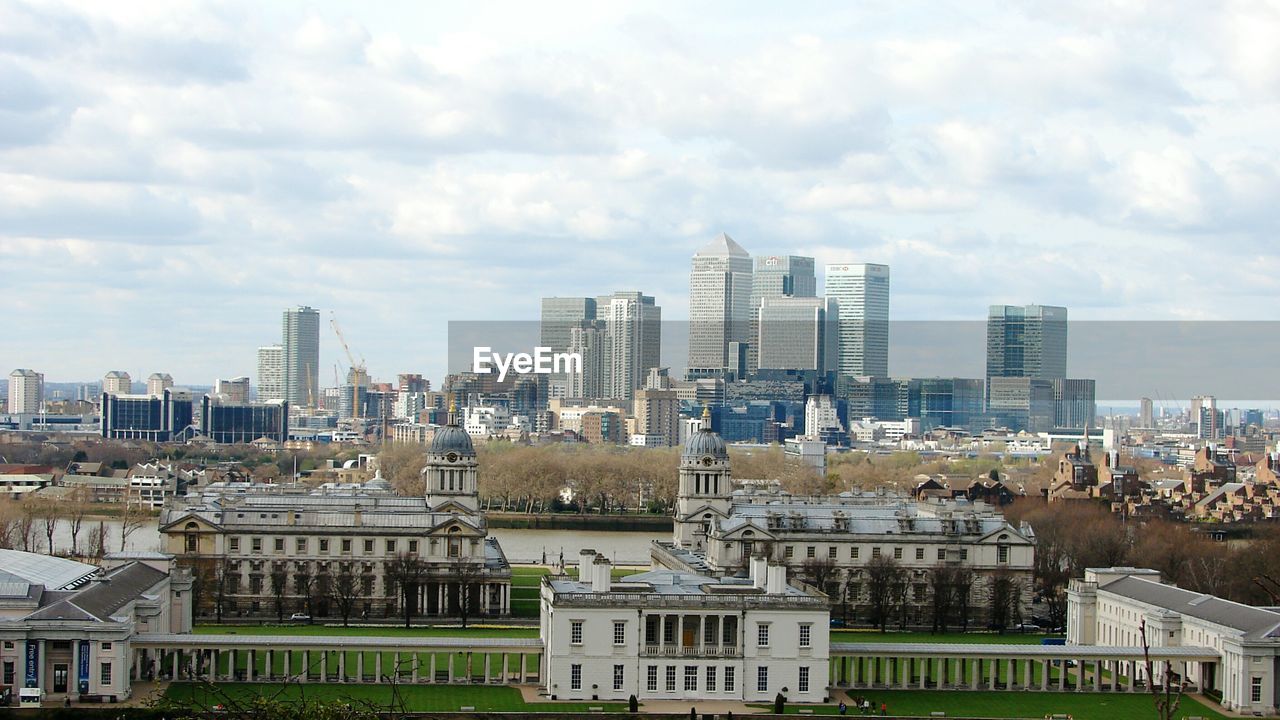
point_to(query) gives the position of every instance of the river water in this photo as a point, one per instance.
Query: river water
(521, 546)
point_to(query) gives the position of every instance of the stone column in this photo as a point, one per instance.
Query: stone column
(449, 665)
(342, 666)
(505, 670)
(1044, 674)
(431, 666)
(1062, 674)
(414, 668)
(377, 667)
(1008, 674)
(251, 664)
(995, 674)
(975, 674)
(360, 666)
(176, 654)
(924, 672)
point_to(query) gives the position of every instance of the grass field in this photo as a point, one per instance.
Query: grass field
(476, 631)
(1080, 706)
(423, 698)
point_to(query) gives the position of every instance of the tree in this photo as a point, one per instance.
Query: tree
(27, 526)
(223, 579)
(818, 572)
(407, 571)
(48, 513)
(77, 505)
(1005, 608)
(884, 576)
(279, 587)
(946, 583)
(1168, 695)
(467, 573)
(133, 518)
(345, 591)
(304, 586)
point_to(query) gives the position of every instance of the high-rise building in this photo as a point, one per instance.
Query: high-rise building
(1027, 341)
(157, 383)
(719, 305)
(1022, 403)
(633, 323)
(590, 341)
(157, 418)
(226, 421)
(300, 338)
(26, 391)
(560, 315)
(797, 333)
(235, 390)
(1074, 403)
(117, 382)
(657, 414)
(777, 276)
(861, 293)
(271, 372)
(1146, 413)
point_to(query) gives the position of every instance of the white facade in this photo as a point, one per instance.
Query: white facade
(821, 415)
(26, 390)
(664, 635)
(487, 420)
(861, 292)
(1108, 605)
(270, 373)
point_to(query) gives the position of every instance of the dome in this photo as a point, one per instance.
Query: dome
(706, 442)
(452, 438)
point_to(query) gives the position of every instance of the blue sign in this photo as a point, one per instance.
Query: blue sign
(33, 663)
(84, 667)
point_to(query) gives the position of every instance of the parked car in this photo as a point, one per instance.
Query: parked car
(837, 622)
(1027, 628)
(300, 617)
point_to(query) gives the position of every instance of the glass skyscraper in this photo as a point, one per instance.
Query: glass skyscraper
(300, 338)
(861, 293)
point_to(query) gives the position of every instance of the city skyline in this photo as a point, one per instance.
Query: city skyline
(336, 158)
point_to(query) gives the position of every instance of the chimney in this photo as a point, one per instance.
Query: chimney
(777, 580)
(586, 556)
(758, 567)
(602, 574)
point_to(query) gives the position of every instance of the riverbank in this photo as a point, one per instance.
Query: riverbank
(579, 521)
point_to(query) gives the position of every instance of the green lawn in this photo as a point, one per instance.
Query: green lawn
(874, 636)
(421, 698)
(476, 631)
(1080, 706)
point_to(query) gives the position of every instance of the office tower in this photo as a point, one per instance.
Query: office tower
(1146, 413)
(822, 420)
(590, 341)
(797, 333)
(719, 305)
(26, 390)
(412, 383)
(1022, 403)
(559, 315)
(946, 402)
(1074, 403)
(1206, 417)
(300, 337)
(227, 421)
(234, 390)
(777, 276)
(1027, 341)
(861, 293)
(157, 418)
(657, 413)
(157, 383)
(271, 373)
(117, 382)
(633, 324)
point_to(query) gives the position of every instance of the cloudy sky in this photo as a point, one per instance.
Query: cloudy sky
(173, 174)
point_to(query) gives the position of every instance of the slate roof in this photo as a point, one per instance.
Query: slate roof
(863, 519)
(1254, 623)
(103, 598)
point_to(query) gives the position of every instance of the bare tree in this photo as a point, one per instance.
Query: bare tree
(344, 592)
(77, 505)
(1168, 696)
(27, 526)
(819, 572)
(407, 571)
(133, 518)
(467, 573)
(1005, 608)
(884, 575)
(48, 514)
(97, 541)
(943, 593)
(279, 579)
(223, 579)
(304, 586)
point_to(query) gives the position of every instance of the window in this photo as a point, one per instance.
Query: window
(413, 546)
(806, 631)
(106, 647)
(919, 553)
(619, 632)
(897, 553)
(762, 634)
(728, 678)
(711, 678)
(690, 677)
(942, 553)
(804, 679)
(575, 632)
(257, 545)
(1002, 553)
(8, 672)
(300, 545)
(789, 552)
(875, 552)
(575, 677)
(368, 546)
(651, 678)
(853, 553)
(1255, 690)
(104, 674)
(324, 545)
(671, 678)
(391, 546)
(279, 545)
(762, 679)
(964, 553)
(617, 677)
(811, 551)
(235, 544)
(346, 545)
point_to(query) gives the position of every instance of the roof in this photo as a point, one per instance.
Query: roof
(1254, 623)
(901, 518)
(706, 442)
(54, 573)
(452, 438)
(105, 596)
(722, 244)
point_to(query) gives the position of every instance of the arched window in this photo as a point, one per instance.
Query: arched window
(455, 542)
(192, 539)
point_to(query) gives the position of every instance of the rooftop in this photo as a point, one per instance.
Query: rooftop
(1254, 623)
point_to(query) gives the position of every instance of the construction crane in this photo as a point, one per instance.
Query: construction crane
(358, 370)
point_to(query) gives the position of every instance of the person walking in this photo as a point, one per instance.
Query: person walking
(843, 708)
